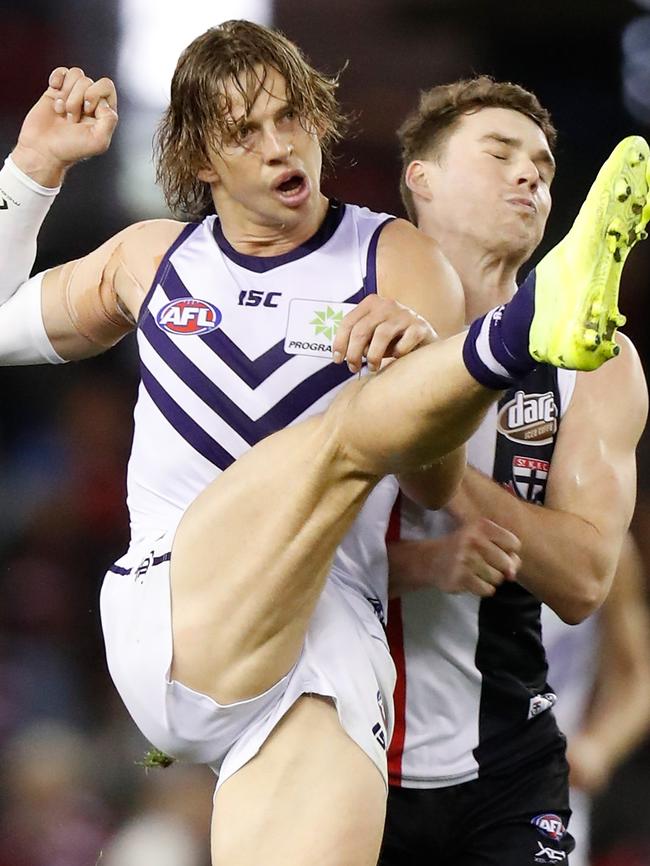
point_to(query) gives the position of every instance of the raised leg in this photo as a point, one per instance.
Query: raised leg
(252, 552)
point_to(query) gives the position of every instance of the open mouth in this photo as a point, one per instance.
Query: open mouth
(292, 184)
(292, 188)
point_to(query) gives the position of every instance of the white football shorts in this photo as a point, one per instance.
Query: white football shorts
(345, 657)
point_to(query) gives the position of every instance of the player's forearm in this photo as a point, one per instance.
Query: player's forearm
(25, 199)
(620, 716)
(565, 561)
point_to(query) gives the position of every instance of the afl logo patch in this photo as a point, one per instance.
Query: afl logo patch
(550, 825)
(188, 316)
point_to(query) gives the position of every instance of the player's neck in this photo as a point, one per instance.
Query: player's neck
(252, 234)
(489, 276)
(487, 281)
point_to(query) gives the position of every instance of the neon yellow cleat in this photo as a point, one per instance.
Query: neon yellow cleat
(576, 289)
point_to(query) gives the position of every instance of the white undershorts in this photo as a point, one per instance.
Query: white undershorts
(345, 657)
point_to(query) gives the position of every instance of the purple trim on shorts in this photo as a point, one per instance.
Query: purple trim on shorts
(164, 557)
(118, 569)
(159, 276)
(262, 264)
(286, 410)
(370, 279)
(184, 425)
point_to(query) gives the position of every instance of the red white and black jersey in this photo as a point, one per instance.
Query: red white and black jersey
(472, 692)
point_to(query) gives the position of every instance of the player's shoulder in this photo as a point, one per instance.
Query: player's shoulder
(401, 242)
(618, 387)
(624, 371)
(402, 232)
(158, 234)
(412, 269)
(143, 245)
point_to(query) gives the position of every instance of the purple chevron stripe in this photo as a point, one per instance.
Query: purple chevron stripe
(286, 410)
(370, 279)
(305, 395)
(204, 387)
(262, 264)
(252, 372)
(185, 426)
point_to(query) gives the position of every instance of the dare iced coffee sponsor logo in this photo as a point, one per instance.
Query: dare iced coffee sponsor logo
(530, 418)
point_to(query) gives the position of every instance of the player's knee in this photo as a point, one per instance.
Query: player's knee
(344, 432)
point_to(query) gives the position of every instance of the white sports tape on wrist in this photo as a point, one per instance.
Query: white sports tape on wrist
(23, 207)
(23, 338)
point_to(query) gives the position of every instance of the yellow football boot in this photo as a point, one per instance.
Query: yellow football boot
(576, 289)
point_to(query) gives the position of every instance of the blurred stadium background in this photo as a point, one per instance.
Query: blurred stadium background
(71, 790)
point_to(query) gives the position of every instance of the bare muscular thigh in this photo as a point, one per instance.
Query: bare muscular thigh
(252, 553)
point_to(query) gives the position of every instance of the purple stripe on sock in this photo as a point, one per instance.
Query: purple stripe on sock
(510, 331)
(475, 366)
(495, 351)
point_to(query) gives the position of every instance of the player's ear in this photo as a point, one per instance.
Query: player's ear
(208, 174)
(417, 179)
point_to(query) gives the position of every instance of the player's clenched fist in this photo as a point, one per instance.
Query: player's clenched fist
(476, 558)
(73, 120)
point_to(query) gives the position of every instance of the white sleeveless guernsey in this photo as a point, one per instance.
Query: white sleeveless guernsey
(235, 347)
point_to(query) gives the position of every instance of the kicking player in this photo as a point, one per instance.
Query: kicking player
(242, 626)
(477, 765)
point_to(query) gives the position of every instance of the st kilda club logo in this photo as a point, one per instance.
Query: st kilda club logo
(530, 418)
(188, 316)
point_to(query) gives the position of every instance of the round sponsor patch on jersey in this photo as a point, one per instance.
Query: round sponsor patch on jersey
(550, 825)
(188, 316)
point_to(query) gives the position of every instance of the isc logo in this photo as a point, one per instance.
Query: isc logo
(188, 316)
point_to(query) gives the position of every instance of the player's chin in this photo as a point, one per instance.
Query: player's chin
(522, 240)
